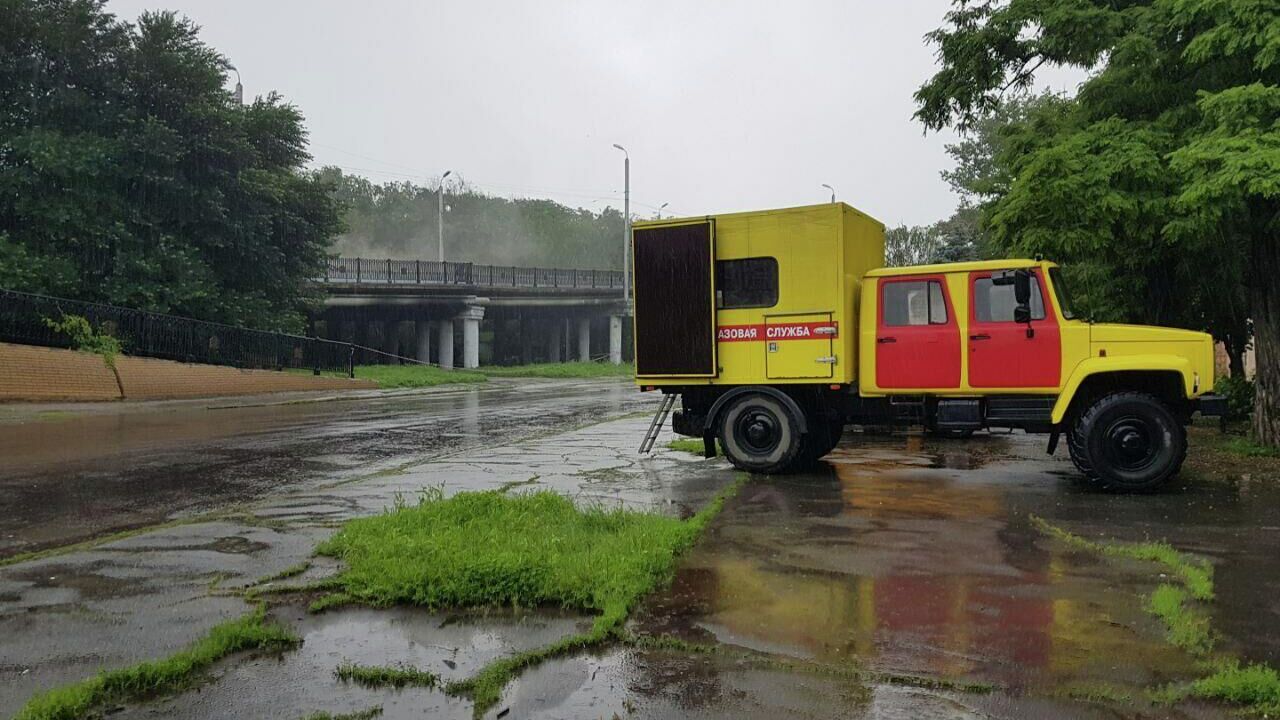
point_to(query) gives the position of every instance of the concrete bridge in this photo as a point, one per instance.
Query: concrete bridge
(502, 314)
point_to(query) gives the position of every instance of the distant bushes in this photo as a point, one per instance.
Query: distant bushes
(1239, 394)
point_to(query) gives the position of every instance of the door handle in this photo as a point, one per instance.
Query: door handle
(982, 336)
(884, 340)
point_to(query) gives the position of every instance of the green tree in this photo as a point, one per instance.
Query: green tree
(1161, 177)
(400, 220)
(911, 245)
(129, 175)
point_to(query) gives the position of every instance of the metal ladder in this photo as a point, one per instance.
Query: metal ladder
(659, 419)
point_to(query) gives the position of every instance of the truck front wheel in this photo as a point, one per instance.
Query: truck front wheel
(1128, 441)
(760, 434)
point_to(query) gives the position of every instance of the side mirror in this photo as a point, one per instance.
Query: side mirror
(1022, 287)
(1022, 313)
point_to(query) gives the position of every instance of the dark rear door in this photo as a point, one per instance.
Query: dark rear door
(674, 300)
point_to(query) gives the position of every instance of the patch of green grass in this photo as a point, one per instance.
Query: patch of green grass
(1240, 445)
(560, 370)
(415, 376)
(485, 687)
(330, 601)
(367, 714)
(668, 642)
(488, 549)
(513, 484)
(1195, 574)
(690, 445)
(1254, 687)
(1185, 626)
(376, 676)
(249, 632)
(285, 574)
(1095, 692)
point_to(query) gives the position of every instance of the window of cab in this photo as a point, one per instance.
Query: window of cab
(995, 303)
(913, 302)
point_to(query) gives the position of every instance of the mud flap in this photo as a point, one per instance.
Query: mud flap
(1053, 442)
(708, 444)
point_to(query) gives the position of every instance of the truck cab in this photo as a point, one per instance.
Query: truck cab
(777, 329)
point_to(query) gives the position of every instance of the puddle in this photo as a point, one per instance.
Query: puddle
(301, 681)
(896, 557)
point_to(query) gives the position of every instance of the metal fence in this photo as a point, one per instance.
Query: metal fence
(430, 272)
(24, 318)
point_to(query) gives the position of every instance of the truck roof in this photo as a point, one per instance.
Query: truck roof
(798, 208)
(973, 266)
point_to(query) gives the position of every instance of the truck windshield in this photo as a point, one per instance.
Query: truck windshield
(1060, 291)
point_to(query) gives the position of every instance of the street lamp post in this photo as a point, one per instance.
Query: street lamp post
(238, 94)
(833, 191)
(626, 224)
(440, 213)
(660, 209)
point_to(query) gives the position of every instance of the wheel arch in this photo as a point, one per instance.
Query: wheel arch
(713, 414)
(1167, 377)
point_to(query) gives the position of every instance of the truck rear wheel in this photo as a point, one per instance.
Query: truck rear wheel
(823, 436)
(760, 434)
(1128, 441)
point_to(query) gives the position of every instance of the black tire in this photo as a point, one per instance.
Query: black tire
(1128, 442)
(823, 436)
(1077, 452)
(759, 433)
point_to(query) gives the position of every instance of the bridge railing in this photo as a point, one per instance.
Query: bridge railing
(367, 271)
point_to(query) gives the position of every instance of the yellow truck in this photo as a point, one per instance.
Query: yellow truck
(776, 329)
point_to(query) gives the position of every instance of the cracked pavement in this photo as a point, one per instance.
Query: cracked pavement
(909, 562)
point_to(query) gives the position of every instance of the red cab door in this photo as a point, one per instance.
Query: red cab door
(917, 336)
(1002, 354)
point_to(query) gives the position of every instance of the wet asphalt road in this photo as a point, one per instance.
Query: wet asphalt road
(74, 472)
(901, 557)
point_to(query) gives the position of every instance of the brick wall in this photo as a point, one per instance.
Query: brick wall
(48, 374)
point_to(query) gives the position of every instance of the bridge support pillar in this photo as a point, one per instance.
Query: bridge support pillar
(422, 336)
(446, 344)
(471, 318)
(615, 339)
(584, 339)
(555, 340)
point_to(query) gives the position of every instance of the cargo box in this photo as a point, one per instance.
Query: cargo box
(765, 297)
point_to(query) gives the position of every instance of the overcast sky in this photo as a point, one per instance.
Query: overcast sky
(723, 105)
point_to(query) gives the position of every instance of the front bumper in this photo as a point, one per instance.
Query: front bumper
(1210, 405)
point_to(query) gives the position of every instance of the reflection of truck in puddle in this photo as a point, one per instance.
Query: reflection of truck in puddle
(775, 329)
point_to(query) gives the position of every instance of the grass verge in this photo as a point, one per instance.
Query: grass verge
(560, 370)
(248, 632)
(1195, 574)
(1225, 456)
(415, 376)
(488, 549)
(1254, 688)
(689, 445)
(1240, 445)
(367, 714)
(1186, 625)
(376, 676)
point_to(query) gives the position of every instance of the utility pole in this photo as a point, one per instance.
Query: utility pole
(626, 226)
(440, 214)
